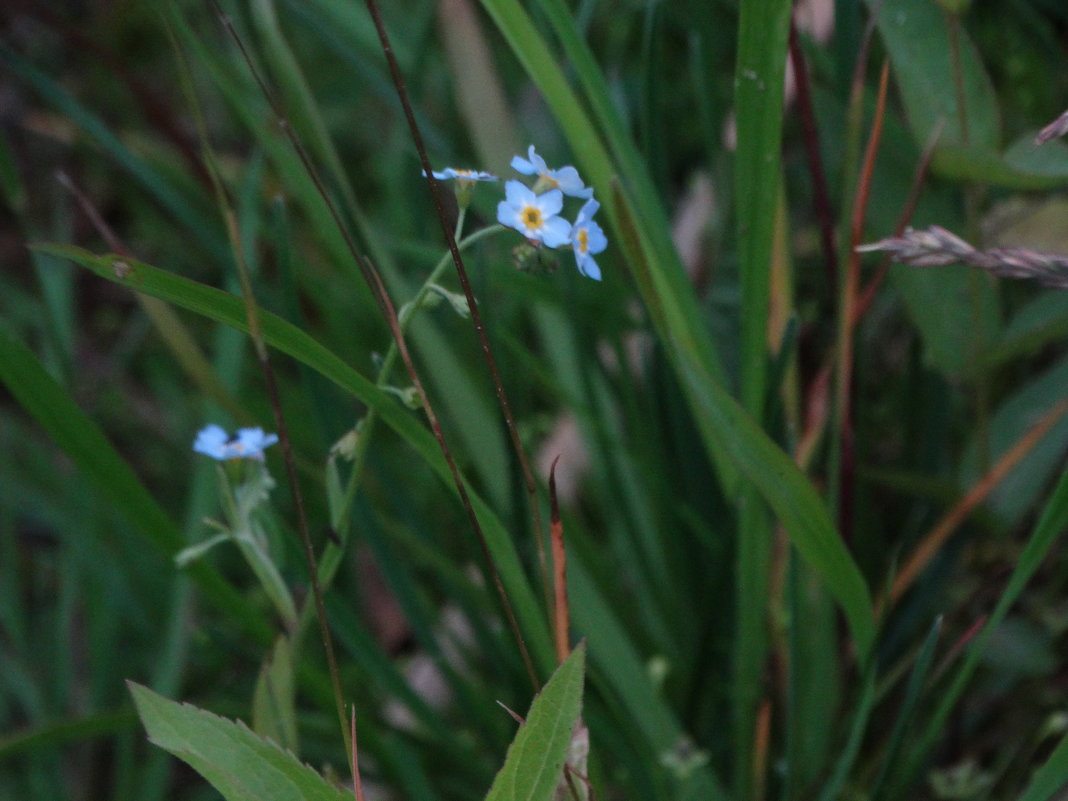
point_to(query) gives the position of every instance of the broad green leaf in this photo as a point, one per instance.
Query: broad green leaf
(1022, 166)
(918, 38)
(535, 760)
(957, 312)
(239, 764)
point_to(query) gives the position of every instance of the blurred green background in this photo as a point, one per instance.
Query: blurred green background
(717, 671)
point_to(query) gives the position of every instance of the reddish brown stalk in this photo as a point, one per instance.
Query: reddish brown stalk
(918, 179)
(816, 404)
(843, 394)
(514, 715)
(761, 743)
(357, 784)
(374, 283)
(465, 283)
(936, 538)
(821, 201)
(562, 612)
(958, 647)
(95, 219)
(289, 460)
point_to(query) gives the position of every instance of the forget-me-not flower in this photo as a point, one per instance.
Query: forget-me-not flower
(587, 238)
(566, 179)
(247, 443)
(463, 175)
(534, 216)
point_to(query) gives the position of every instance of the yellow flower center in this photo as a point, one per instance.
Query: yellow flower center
(531, 217)
(583, 240)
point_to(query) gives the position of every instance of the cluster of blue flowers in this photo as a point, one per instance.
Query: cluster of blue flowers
(535, 212)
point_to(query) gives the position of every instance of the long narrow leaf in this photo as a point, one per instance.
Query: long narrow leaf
(85, 444)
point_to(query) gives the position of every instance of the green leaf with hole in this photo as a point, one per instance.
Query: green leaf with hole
(241, 765)
(535, 760)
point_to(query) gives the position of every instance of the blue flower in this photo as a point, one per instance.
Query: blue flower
(588, 238)
(534, 216)
(247, 443)
(463, 175)
(566, 179)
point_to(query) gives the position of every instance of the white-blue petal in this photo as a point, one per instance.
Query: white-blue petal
(556, 232)
(550, 202)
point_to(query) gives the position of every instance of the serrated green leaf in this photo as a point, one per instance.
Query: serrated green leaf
(535, 759)
(238, 763)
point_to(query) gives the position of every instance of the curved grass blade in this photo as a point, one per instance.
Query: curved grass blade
(1051, 525)
(1051, 777)
(84, 442)
(908, 708)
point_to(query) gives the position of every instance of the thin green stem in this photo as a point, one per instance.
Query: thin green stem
(342, 517)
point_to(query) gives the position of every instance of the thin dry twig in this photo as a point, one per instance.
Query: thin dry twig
(932, 543)
(561, 627)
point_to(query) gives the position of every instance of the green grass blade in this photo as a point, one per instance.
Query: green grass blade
(795, 503)
(83, 441)
(762, 34)
(620, 663)
(861, 715)
(1051, 777)
(1051, 525)
(915, 687)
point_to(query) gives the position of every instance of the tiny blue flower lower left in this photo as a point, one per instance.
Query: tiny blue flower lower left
(248, 443)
